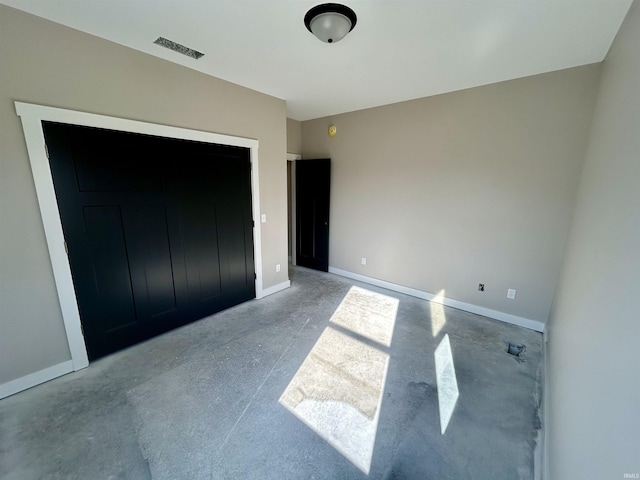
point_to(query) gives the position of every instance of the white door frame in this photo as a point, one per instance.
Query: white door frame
(293, 157)
(32, 116)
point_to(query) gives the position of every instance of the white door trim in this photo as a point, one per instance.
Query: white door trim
(293, 157)
(32, 116)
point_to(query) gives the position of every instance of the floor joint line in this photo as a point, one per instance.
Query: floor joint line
(295, 337)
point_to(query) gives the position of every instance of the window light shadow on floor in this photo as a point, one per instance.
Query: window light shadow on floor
(438, 318)
(445, 369)
(337, 391)
(447, 384)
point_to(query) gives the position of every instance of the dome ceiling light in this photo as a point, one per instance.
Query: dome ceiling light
(330, 22)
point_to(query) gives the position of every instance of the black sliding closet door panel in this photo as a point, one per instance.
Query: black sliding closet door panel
(158, 231)
(214, 203)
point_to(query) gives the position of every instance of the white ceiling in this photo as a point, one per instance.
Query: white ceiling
(399, 49)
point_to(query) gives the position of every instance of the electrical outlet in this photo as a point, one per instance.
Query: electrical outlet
(481, 287)
(263, 218)
(511, 293)
(364, 261)
(277, 267)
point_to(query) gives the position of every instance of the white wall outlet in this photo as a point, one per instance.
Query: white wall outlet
(511, 293)
(277, 267)
(364, 261)
(263, 218)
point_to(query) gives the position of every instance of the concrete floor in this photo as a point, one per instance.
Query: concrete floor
(202, 402)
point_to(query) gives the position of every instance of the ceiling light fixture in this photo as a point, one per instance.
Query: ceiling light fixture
(330, 22)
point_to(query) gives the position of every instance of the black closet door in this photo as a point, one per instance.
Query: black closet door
(313, 182)
(158, 230)
(212, 188)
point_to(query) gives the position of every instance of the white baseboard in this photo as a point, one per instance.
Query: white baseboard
(467, 307)
(275, 288)
(36, 378)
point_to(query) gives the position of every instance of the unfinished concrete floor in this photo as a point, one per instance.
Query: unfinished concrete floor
(202, 402)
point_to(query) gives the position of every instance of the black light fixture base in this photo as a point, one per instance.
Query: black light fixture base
(330, 8)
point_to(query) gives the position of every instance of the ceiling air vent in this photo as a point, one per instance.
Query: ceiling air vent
(176, 47)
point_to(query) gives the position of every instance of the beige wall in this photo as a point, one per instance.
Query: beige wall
(593, 384)
(294, 136)
(45, 63)
(471, 187)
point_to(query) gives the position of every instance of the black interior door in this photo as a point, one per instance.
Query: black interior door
(159, 231)
(313, 182)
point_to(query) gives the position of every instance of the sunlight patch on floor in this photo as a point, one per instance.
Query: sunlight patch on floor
(367, 313)
(438, 318)
(447, 384)
(337, 391)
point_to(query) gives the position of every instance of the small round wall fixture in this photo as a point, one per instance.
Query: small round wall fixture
(330, 22)
(332, 130)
